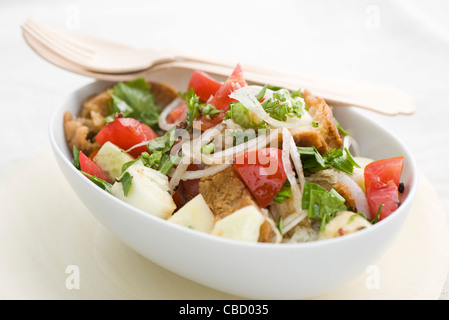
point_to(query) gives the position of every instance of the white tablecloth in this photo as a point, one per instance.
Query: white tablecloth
(400, 43)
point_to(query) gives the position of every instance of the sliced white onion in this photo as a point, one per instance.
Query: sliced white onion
(361, 201)
(299, 214)
(350, 143)
(164, 114)
(227, 155)
(144, 143)
(198, 174)
(292, 221)
(177, 174)
(246, 96)
(296, 157)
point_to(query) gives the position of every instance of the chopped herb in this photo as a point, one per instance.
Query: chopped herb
(240, 136)
(262, 92)
(208, 148)
(168, 162)
(243, 117)
(99, 182)
(193, 107)
(129, 164)
(315, 124)
(297, 93)
(340, 128)
(135, 100)
(284, 193)
(376, 219)
(284, 105)
(321, 204)
(76, 157)
(355, 215)
(210, 110)
(151, 161)
(162, 162)
(126, 181)
(280, 225)
(163, 143)
(311, 158)
(313, 161)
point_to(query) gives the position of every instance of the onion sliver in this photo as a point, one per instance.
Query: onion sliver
(177, 174)
(227, 155)
(292, 221)
(296, 157)
(348, 143)
(162, 120)
(143, 143)
(360, 199)
(198, 174)
(299, 214)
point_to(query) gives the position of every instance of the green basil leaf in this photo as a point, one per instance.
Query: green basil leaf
(76, 157)
(99, 182)
(126, 181)
(134, 99)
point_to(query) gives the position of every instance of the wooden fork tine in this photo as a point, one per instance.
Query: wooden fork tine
(54, 46)
(62, 36)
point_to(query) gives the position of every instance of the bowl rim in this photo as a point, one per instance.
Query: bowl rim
(54, 120)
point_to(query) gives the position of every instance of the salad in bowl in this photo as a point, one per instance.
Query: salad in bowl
(245, 162)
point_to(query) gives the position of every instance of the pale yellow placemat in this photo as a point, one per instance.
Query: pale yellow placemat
(52, 248)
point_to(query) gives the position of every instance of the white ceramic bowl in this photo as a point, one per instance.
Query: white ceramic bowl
(248, 270)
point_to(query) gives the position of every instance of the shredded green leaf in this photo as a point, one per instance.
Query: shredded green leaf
(168, 162)
(340, 128)
(163, 143)
(240, 136)
(312, 160)
(321, 204)
(243, 117)
(280, 225)
(376, 219)
(210, 110)
(135, 100)
(262, 92)
(99, 182)
(76, 157)
(193, 107)
(152, 161)
(284, 105)
(208, 148)
(126, 181)
(284, 193)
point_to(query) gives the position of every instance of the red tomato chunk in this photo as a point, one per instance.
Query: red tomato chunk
(262, 172)
(126, 133)
(88, 166)
(382, 180)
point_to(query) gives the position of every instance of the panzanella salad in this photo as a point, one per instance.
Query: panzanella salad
(245, 162)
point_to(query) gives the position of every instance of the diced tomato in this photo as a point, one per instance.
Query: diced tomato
(221, 99)
(263, 173)
(187, 190)
(88, 166)
(179, 113)
(203, 85)
(126, 133)
(382, 180)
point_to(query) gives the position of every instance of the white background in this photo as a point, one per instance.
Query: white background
(400, 43)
